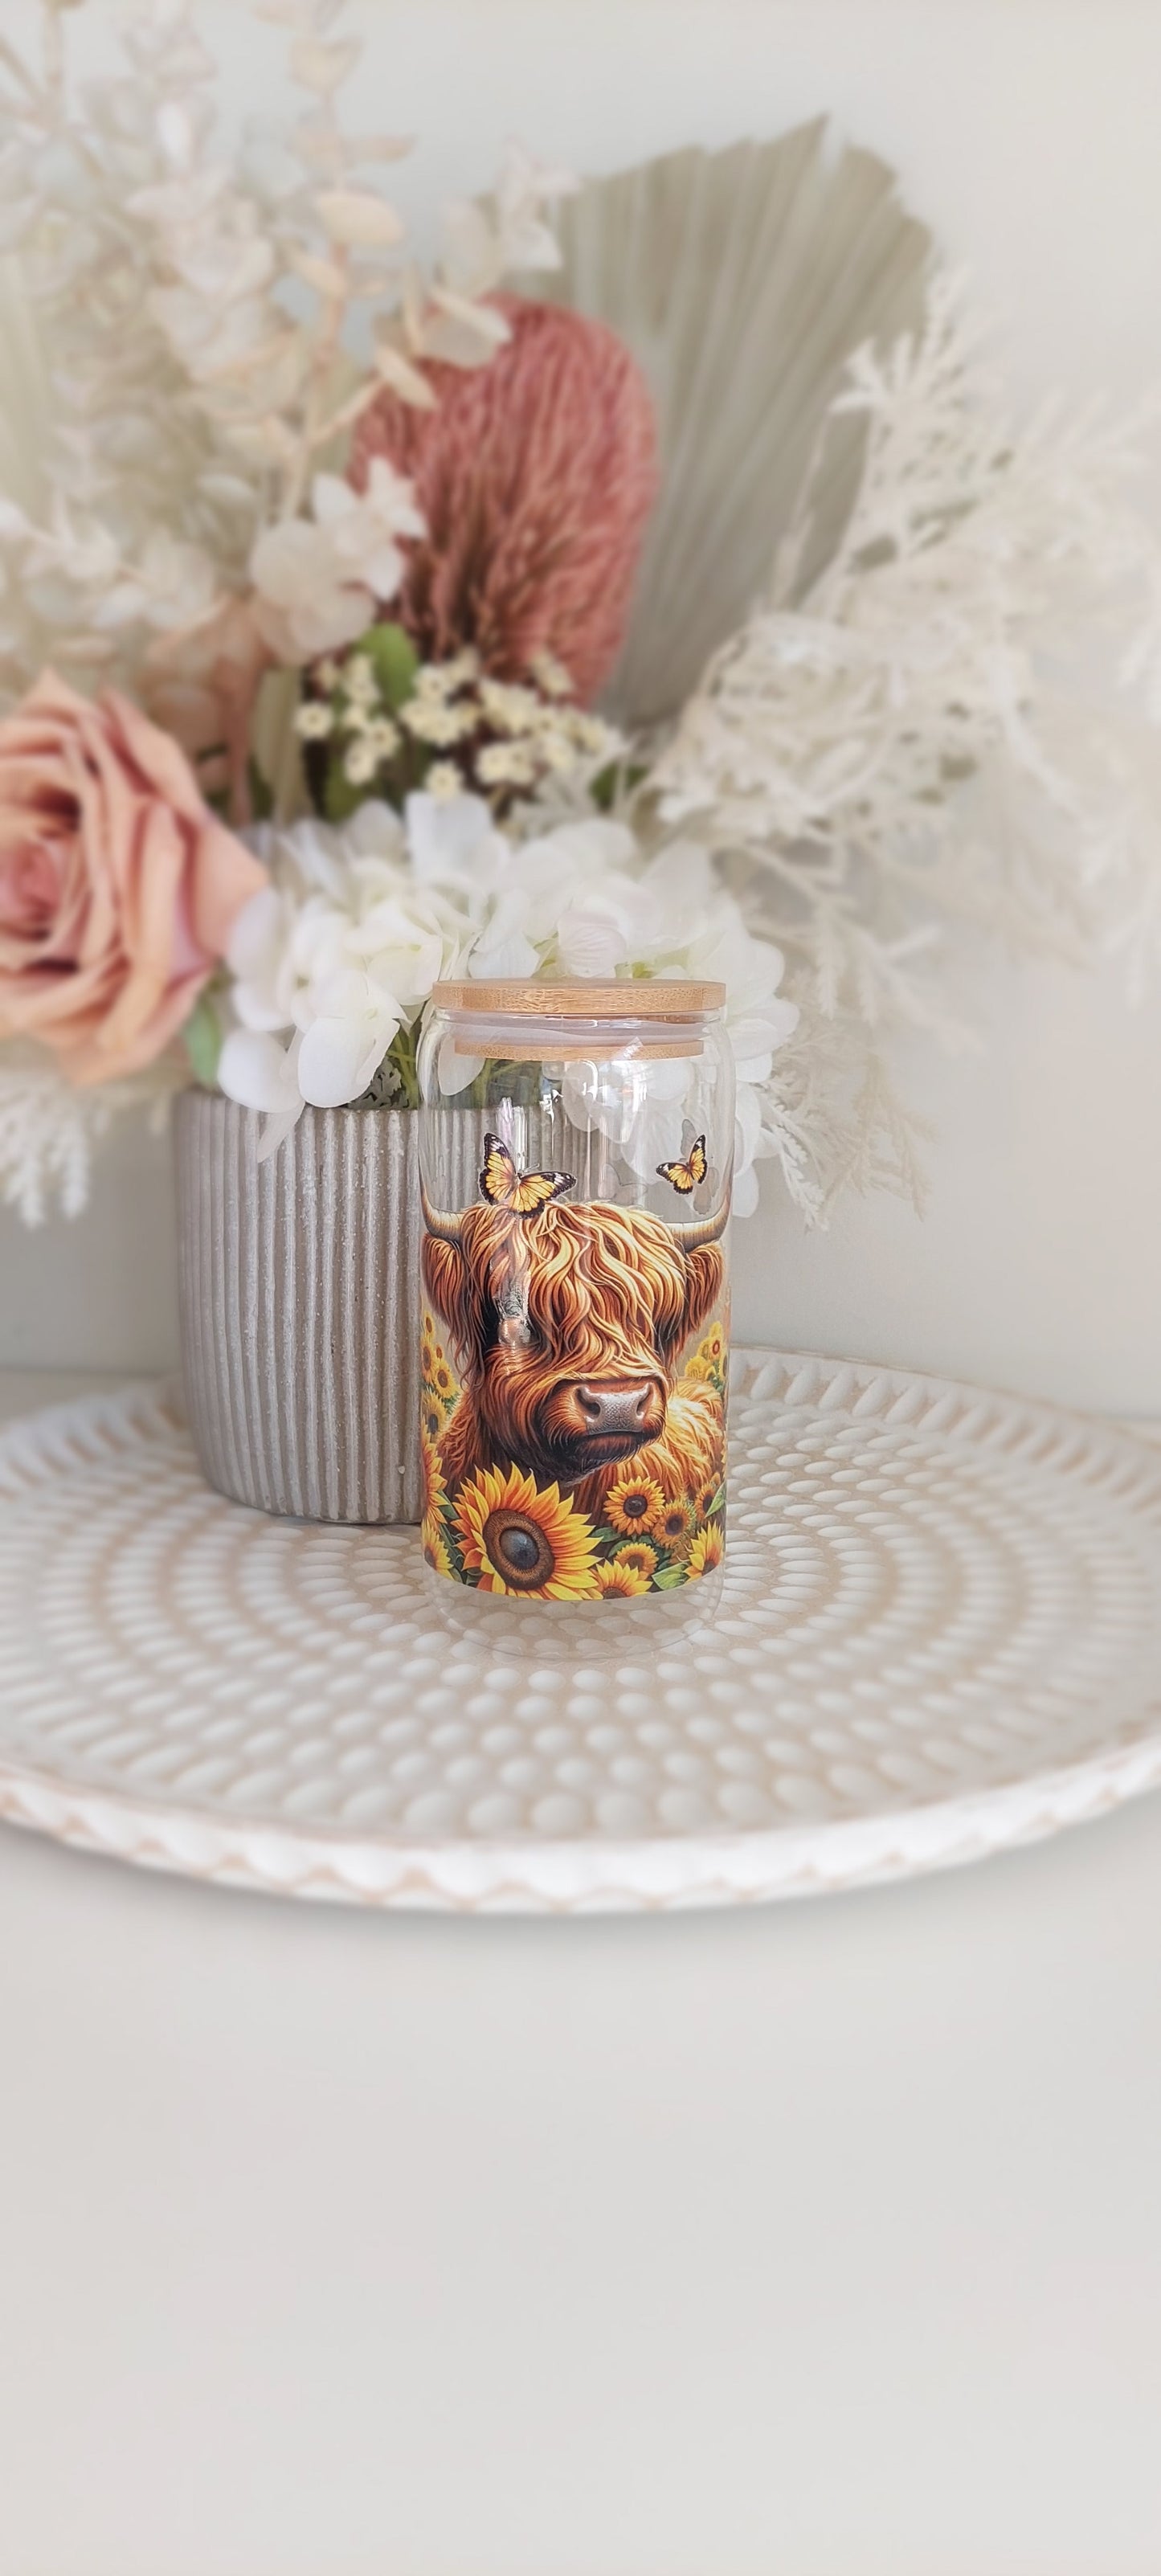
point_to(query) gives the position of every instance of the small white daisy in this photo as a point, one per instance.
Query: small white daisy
(550, 675)
(360, 682)
(503, 764)
(431, 720)
(511, 709)
(432, 683)
(313, 721)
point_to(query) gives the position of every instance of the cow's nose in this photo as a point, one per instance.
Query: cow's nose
(614, 1408)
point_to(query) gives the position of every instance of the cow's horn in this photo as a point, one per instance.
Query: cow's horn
(441, 1222)
(690, 1237)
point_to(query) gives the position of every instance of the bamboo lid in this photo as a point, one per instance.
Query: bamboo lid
(634, 998)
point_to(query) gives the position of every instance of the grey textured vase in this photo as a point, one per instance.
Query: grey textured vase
(298, 1282)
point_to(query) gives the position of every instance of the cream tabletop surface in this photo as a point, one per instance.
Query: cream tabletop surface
(824, 2239)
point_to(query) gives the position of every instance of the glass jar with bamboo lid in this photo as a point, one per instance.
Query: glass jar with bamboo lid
(576, 1145)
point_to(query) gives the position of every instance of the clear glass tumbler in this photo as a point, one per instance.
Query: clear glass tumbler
(576, 1145)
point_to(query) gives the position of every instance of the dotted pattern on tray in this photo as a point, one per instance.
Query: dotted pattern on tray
(930, 1597)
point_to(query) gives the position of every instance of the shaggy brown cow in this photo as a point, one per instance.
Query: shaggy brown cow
(568, 1328)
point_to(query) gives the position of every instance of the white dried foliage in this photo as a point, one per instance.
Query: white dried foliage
(917, 741)
(49, 1130)
(188, 403)
(166, 403)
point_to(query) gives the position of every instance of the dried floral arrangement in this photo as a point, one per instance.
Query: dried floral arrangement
(317, 570)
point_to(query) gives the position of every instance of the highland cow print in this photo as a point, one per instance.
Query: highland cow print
(573, 1409)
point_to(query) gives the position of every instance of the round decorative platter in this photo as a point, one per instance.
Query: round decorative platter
(938, 1634)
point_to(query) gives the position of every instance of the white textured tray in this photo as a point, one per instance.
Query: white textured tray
(939, 1634)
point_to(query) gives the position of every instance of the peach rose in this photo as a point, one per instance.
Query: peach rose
(118, 887)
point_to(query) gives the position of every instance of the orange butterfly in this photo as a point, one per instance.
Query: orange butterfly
(686, 1176)
(524, 1192)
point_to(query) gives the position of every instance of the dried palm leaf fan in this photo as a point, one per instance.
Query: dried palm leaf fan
(742, 280)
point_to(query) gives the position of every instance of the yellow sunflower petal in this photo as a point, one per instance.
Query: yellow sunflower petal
(708, 1549)
(431, 1421)
(434, 1486)
(436, 1552)
(673, 1523)
(616, 1578)
(638, 1554)
(631, 1503)
(525, 1539)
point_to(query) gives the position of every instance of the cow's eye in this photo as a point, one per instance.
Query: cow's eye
(515, 1333)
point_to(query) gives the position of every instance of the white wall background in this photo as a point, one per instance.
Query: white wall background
(1025, 132)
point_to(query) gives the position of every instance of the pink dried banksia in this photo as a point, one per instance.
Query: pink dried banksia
(535, 474)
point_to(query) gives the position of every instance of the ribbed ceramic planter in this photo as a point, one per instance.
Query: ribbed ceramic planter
(298, 1287)
(299, 1292)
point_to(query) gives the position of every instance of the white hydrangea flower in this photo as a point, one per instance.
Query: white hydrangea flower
(454, 843)
(584, 899)
(341, 950)
(330, 961)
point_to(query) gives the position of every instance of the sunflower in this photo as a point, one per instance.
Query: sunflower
(436, 1552)
(431, 1422)
(643, 1558)
(426, 1357)
(673, 1524)
(441, 1377)
(616, 1577)
(708, 1498)
(700, 1370)
(428, 1324)
(708, 1549)
(524, 1538)
(714, 1346)
(434, 1488)
(631, 1503)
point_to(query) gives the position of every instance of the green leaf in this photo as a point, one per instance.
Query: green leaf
(401, 1054)
(203, 1041)
(394, 658)
(619, 773)
(668, 1577)
(340, 798)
